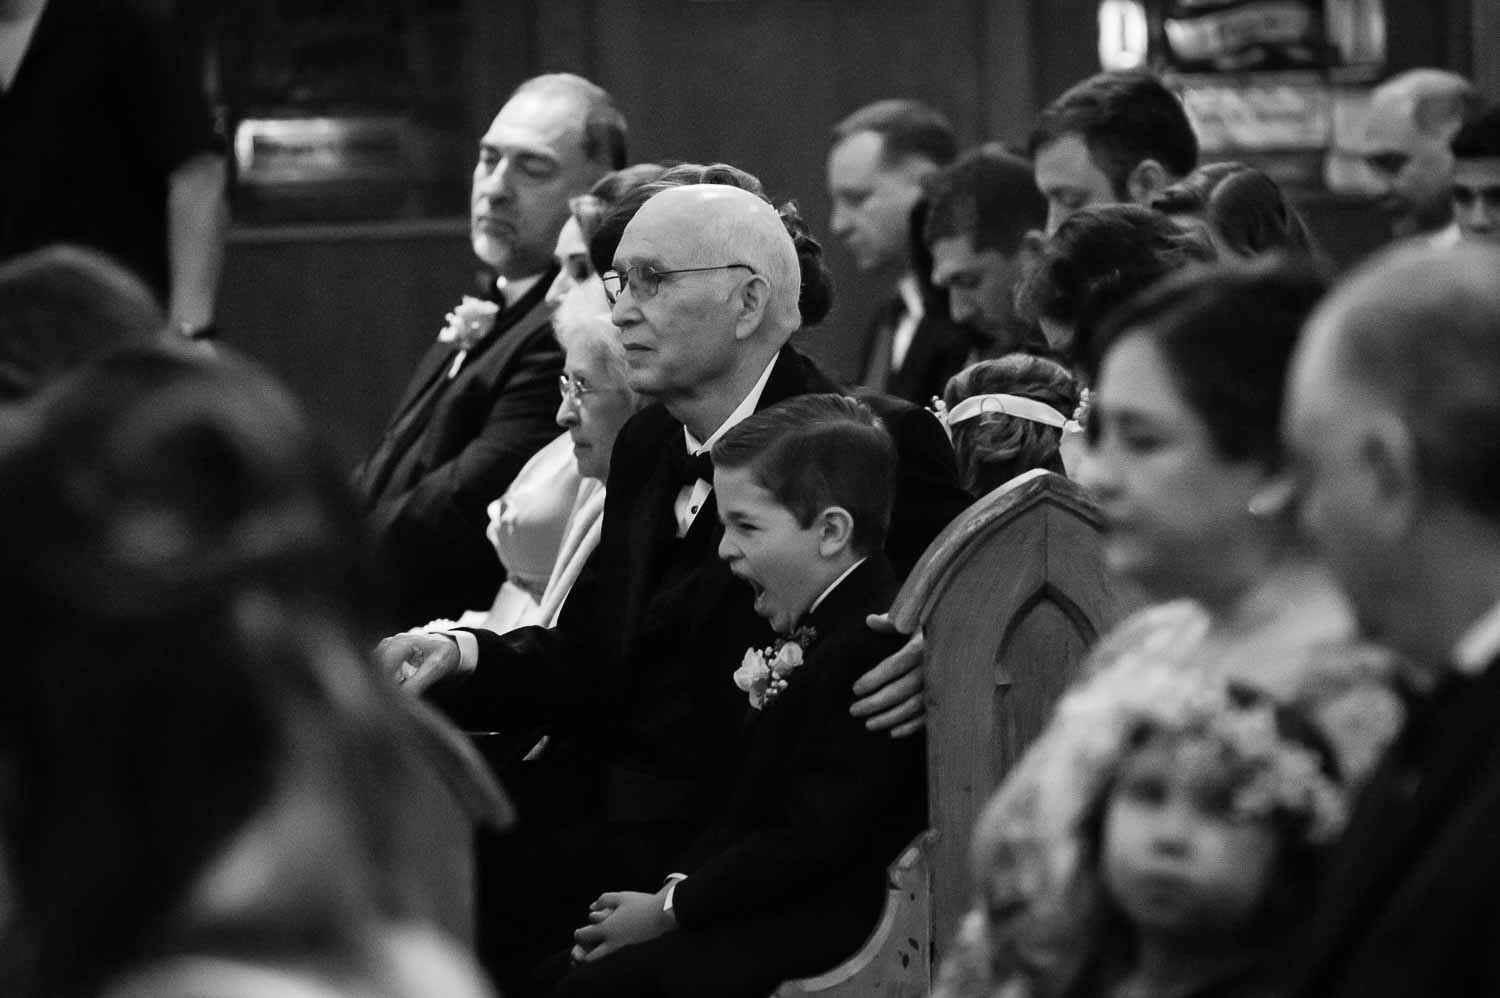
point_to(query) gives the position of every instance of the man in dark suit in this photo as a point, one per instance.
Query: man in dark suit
(880, 157)
(1393, 416)
(633, 682)
(482, 401)
(979, 212)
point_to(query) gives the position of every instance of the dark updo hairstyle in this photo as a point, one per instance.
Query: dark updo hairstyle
(1097, 259)
(1226, 334)
(816, 296)
(1242, 207)
(993, 448)
(187, 564)
(591, 208)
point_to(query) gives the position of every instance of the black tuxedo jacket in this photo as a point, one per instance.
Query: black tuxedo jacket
(822, 805)
(426, 486)
(939, 349)
(637, 674)
(1411, 904)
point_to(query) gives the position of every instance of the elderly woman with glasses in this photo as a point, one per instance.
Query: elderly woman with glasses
(547, 522)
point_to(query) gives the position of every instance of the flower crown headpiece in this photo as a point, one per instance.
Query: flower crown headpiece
(1276, 773)
(1007, 405)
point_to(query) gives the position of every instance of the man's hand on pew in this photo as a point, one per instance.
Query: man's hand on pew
(416, 661)
(891, 694)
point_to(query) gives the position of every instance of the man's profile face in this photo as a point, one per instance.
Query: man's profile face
(1476, 198)
(1336, 488)
(1069, 179)
(872, 200)
(980, 283)
(682, 337)
(1413, 168)
(530, 162)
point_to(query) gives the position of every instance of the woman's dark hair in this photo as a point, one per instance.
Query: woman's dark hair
(1226, 334)
(181, 554)
(816, 296)
(1242, 206)
(1096, 260)
(591, 208)
(64, 305)
(993, 448)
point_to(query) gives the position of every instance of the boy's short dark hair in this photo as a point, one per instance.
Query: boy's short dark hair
(1124, 119)
(1480, 138)
(907, 128)
(989, 195)
(816, 451)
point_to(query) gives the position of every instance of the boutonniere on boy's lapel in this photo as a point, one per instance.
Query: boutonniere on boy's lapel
(763, 671)
(467, 324)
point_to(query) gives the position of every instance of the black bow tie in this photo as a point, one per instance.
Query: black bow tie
(693, 467)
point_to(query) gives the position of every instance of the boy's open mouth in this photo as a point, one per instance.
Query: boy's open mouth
(756, 588)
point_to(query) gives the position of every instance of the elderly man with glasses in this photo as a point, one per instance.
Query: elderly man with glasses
(634, 684)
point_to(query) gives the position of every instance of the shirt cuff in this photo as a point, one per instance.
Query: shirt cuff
(468, 651)
(673, 879)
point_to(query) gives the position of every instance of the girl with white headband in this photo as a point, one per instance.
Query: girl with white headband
(1006, 417)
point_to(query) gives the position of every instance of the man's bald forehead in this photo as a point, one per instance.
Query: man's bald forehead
(1403, 320)
(1431, 100)
(718, 220)
(706, 205)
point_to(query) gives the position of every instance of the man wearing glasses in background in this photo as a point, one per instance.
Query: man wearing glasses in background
(482, 400)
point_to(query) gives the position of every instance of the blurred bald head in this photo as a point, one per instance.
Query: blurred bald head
(1418, 332)
(1393, 418)
(1413, 117)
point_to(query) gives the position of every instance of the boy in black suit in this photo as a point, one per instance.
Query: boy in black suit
(789, 878)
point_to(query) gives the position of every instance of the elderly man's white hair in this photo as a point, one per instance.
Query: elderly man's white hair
(743, 228)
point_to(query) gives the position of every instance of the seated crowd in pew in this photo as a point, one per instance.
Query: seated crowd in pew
(680, 726)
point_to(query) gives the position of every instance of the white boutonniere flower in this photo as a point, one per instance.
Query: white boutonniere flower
(467, 324)
(763, 672)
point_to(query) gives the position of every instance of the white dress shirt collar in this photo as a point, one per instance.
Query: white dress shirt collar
(513, 290)
(1480, 644)
(835, 584)
(741, 412)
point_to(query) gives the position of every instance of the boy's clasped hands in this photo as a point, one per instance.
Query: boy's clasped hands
(622, 918)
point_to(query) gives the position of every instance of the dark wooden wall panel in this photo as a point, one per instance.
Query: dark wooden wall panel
(342, 316)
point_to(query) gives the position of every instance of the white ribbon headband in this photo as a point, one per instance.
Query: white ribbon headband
(1009, 405)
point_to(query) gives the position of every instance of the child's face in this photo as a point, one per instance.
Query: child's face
(766, 547)
(1176, 859)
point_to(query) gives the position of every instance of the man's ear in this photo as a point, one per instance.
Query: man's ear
(1148, 179)
(1030, 249)
(835, 531)
(1389, 455)
(752, 299)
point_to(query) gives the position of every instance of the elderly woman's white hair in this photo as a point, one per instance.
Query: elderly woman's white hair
(581, 327)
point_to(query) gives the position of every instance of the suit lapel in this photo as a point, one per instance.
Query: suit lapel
(1403, 806)
(520, 319)
(653, 526)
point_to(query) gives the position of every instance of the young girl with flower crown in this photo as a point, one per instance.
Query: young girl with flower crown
(1198, 812)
